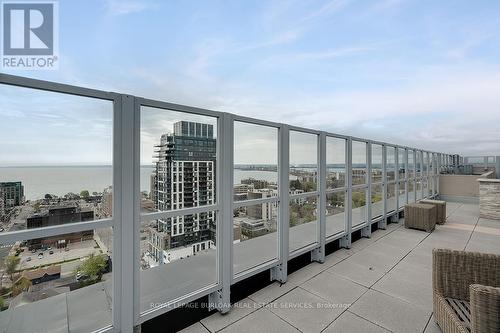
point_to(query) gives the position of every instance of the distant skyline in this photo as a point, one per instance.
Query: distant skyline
(424, 74)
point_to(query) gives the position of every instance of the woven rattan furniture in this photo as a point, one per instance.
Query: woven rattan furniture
(420, 216)
(466, 291)
(440, 209)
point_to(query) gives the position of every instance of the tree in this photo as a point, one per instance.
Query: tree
(2, 303)
(93, 267)
(21, 284)
(48, 196)
(11, 263)
(84, 194)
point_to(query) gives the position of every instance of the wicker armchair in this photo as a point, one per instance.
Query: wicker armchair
(466, 291)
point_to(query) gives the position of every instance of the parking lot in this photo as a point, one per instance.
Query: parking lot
(75, 251)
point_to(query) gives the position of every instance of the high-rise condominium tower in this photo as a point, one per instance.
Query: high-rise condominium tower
(184, 177)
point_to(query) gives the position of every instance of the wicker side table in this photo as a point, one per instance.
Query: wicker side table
(420, 216)
(441, 209)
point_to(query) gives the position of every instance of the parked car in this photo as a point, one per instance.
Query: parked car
(49, 248)
(51, 252)
(40, 255)
(33, 251)
(28, 259)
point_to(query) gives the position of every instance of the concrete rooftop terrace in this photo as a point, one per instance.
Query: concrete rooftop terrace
(380, 284)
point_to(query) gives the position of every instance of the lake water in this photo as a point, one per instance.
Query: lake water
(39, 181)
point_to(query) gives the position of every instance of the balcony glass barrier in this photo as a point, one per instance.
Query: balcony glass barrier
(376, 163)
(391, 202)
(58, 283)
(176, 261)
(411, 164)
(391, 163)
(418, 164)
(335, 213)
(412, 194)
(255, 237)
(335, 162)
(377, 201)
(476, 160)
(425, 165)
(56, 157)
(402, 163)
(60, 171)
(402, 194)
(303, 222)
(255, 161)
(303, 162)
(359, 207)
(178, 160)
(419, 189)
(426, 187)
(359, 169)
(178, 252)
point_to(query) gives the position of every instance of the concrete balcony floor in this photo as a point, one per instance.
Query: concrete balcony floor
(381, 284)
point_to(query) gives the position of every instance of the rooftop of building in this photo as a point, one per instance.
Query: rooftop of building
(380, 284)
(383, 281)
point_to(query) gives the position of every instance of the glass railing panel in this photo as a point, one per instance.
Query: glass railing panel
(303, 162)
(335, 213)
(391, 163)
(178, 256)
(303, 222)
(401, 163)
(376, 160)
(411, 164)
(178, 160)
(402, 194)
(359, 207)
(391, 201)
(419, 189)
(255, 161)
(335, 162)
(58, 283)
(359, 169)
(377, 208)
(411, 191)
(56, 158)
(255, 236)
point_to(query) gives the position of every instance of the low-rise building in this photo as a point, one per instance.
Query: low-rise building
(58, 216)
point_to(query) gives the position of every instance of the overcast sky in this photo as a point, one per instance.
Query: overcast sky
(412, 72)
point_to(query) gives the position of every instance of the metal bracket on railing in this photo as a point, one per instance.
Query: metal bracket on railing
(216, 302)
(279, 273)
(318, 255)
(366, 231)
(382, 224)
(345, 242)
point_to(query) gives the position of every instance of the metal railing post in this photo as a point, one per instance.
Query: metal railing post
(382, 224)
(345, 241)
(280, 272)
(318, 254)
(367, 230)
(125, 235)
(221, 299)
